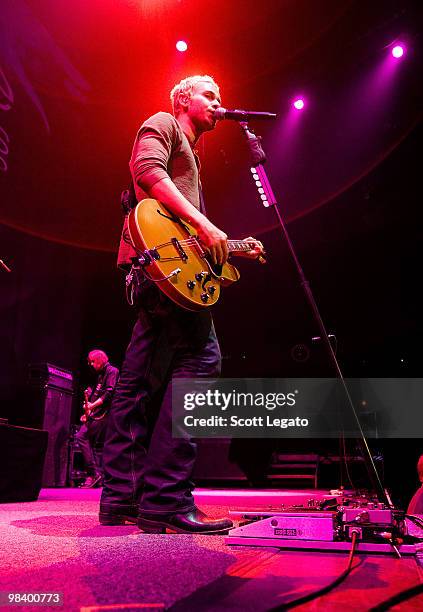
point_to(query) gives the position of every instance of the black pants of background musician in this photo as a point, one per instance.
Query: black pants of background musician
(144, 466)
(91, 436)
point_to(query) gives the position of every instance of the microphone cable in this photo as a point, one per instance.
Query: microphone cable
(399, 598)
(306, 598)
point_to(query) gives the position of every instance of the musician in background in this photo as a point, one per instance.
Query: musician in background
(147, 472)
(96, 406)
(416, 504)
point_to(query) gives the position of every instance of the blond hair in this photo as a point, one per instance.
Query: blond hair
(97, 353)
(185, 87)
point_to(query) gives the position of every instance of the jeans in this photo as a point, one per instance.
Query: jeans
(144, 466)
(88, 436)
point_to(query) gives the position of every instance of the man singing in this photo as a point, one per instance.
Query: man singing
(96, 407)
(147, 472)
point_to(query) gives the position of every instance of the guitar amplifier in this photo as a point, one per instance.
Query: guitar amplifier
(48, 374)
(49, 407)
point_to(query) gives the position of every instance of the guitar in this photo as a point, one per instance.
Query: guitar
(171, 255)
(87, 411)
(90, 413)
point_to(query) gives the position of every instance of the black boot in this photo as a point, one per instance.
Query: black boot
(192, 521)
(117, 515)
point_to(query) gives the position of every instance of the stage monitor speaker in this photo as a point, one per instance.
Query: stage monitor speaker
(22, 455)
(51, 396)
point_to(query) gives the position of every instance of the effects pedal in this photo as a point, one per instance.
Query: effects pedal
(328, 525)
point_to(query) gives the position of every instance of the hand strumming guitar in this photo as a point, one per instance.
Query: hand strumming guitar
(214, 240)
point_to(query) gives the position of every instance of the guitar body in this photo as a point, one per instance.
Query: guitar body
(175, 258)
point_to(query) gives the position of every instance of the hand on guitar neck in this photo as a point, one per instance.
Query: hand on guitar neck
(256, 250)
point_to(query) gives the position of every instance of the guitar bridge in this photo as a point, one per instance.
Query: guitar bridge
(179, 249)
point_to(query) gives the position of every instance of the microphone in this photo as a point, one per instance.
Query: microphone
(241, 115)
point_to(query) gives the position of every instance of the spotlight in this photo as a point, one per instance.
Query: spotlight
(299, 104)
(181, 45)
(398, 51)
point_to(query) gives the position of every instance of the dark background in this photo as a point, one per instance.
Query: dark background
(75, 83)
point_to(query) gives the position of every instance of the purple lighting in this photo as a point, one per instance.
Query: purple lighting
(398, 51)
(299, 104)
(181, 45)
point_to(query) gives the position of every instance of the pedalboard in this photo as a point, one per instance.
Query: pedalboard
(377, 527)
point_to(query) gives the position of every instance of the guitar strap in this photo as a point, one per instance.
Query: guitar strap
(200, 187)
(128, 199)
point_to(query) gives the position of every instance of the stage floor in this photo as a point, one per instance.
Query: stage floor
(56, 544)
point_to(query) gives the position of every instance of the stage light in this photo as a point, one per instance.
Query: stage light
(299, 104)
(181, 45)
(398, 51)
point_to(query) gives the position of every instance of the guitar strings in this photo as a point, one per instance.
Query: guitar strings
(239, 243)
(193, 242)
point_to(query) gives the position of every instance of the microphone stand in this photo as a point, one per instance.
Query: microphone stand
(4, 266)
(267, 196)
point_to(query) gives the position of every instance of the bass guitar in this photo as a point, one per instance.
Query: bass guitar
(172, 256)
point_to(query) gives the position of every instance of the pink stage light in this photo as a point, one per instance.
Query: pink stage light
(181, 45)
(299, 104)
(398, 51)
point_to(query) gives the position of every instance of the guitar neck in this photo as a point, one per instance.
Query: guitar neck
(239, 245)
